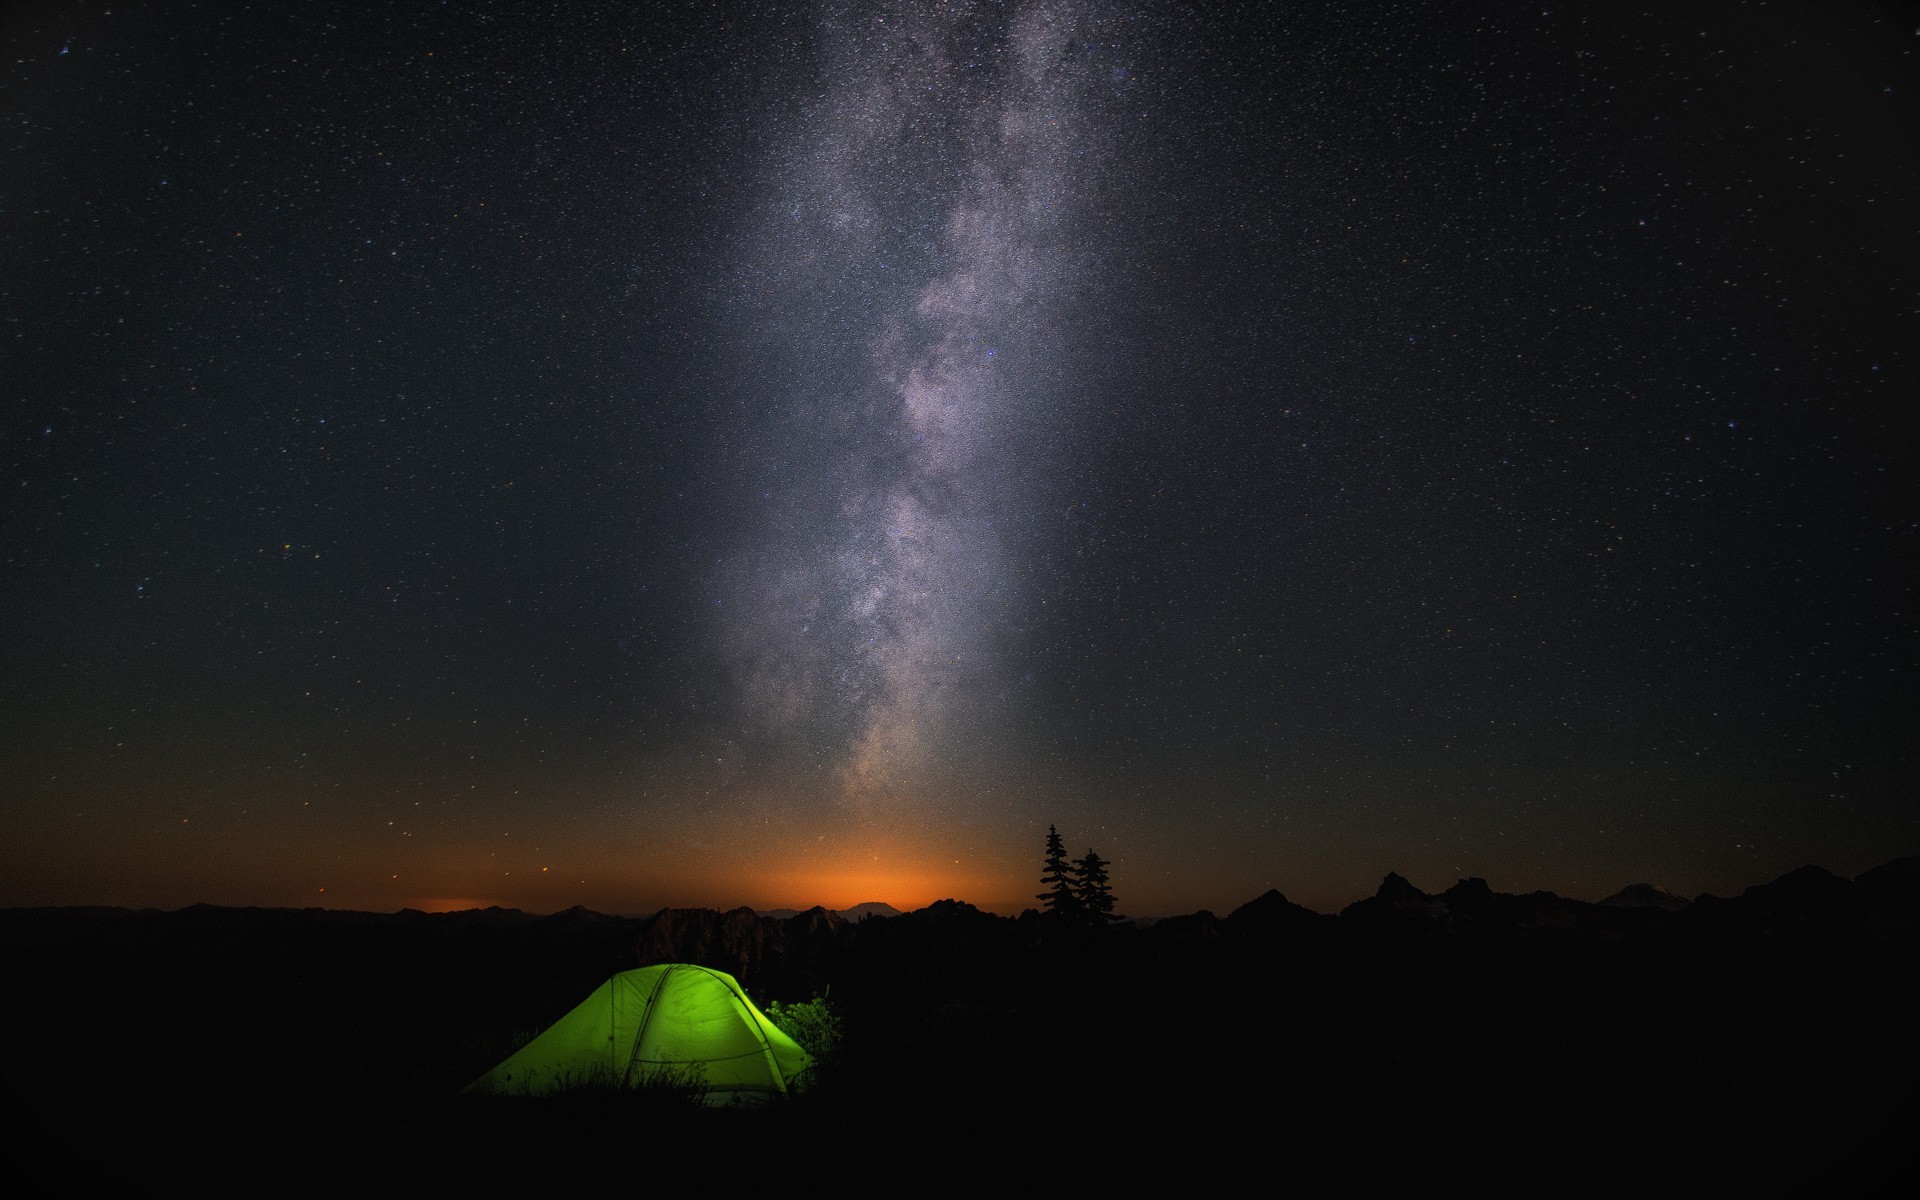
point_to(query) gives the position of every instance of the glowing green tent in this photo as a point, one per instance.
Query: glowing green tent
(672, 1025)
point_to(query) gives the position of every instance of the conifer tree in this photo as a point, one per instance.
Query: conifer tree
(1091, 889)
(1062, 894)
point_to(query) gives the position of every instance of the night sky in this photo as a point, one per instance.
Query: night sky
(632, 455)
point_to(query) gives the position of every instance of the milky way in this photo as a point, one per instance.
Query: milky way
(934, 190)
(640, 453)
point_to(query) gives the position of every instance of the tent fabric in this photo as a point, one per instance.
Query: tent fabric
(672, 1025)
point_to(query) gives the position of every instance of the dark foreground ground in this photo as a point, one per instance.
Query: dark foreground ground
(1766, 1042)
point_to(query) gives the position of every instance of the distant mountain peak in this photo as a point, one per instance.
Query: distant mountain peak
(1471, 888)
(1645, 895)
(1274, 912)
(859, 912)
(1396, 889)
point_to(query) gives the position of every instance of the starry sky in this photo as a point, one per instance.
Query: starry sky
(646, 454)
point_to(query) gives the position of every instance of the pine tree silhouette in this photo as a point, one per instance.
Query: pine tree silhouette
(1092, 891)
(1062, 894)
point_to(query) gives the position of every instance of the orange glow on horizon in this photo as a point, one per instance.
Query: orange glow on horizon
(447, 904)
(844, 889)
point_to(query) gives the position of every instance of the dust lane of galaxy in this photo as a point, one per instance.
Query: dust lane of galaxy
(934, 189)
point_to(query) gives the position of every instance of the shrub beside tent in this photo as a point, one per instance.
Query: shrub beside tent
(672, 1025)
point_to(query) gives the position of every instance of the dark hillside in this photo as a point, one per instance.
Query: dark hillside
(1763, 1038)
